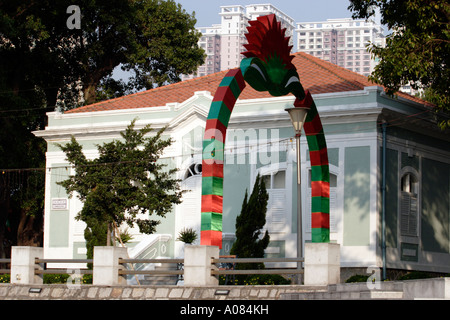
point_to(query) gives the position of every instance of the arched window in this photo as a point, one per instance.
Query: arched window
(409, 183)
(409, 194)
(193, 170)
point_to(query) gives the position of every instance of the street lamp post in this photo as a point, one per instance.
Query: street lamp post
(298, 116)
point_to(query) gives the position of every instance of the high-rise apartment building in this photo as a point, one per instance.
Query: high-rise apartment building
(224, 42)
(341, 41)
(211, 43)
(234, 22)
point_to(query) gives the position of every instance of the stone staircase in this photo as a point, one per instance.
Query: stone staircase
(153, 246)
(161, 279)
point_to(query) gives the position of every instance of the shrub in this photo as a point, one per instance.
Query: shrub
(5, 278)
(62, 278)
(253, 280)
(87, 279)
(417, 275)
(187, 235)
(266, 279)
(51, 278)
(357, 278)
(55, 278)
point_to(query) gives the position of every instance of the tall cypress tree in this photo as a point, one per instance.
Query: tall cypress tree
(249, 223)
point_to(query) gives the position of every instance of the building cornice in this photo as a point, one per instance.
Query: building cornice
(174, 114)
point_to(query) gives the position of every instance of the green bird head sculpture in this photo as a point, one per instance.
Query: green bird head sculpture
(268, 63)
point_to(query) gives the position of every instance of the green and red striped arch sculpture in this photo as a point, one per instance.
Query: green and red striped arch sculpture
(267, 67)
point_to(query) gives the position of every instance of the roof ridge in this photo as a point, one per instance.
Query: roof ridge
(169, 86)
(109, 100)
(331, 67)
(320, 62)
(317, 75)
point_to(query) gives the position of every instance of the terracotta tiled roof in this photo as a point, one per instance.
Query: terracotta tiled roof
(316, 75)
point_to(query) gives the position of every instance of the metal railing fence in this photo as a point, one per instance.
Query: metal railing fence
(224, 265)
(151, 272)
(234, 261)
(45, 270)
(5, 261)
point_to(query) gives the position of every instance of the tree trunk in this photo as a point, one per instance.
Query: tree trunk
(90, 94)
(51, 96)
(30, 230)
(5, 235)
(93, 78)
(2, 241)
(108, 236)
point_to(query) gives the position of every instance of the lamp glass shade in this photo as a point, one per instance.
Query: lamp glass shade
(298, 116)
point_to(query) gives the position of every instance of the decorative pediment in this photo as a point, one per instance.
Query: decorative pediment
(196, 107)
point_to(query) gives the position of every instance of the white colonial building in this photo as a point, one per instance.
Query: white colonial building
(389, 164)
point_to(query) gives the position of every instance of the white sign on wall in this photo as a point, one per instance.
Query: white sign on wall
(60, 204)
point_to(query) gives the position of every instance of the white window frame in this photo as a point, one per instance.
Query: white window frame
(409, 204)
(278, 216)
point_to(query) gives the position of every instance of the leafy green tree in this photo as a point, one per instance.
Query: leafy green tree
(154, 39)
(123, 184)
(95, 234)
(44, 64)
(249, 243)
(417, 52)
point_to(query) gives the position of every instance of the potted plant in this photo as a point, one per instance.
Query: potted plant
(187, 235)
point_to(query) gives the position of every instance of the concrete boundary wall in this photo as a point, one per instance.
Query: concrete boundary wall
(93, 292)
(436, 288)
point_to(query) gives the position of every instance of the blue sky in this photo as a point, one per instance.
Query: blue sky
(207, 11)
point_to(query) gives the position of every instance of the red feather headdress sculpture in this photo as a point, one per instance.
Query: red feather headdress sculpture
(266, 39)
